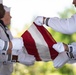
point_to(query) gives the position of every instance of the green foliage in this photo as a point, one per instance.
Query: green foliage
(67, 13)
(59, 37)
(42, 68)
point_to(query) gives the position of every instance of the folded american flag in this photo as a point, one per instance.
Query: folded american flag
(38, 42)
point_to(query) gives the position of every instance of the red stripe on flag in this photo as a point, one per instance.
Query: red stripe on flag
(49, 40)
(29, 44)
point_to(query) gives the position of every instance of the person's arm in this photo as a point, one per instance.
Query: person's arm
(67, 54)
(66, 26)
(6, 47)
(72, 52)
(70, 49)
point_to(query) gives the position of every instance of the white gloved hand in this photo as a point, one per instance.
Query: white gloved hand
(17, 43)
(60, 60)
(62, 57)
(59, 47)
(39, 20)
(25, 58)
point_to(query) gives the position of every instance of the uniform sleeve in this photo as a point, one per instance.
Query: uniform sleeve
(66, 26)
(71, 61)
(3, 44)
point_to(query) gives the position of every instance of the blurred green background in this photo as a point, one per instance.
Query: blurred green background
(47, 68)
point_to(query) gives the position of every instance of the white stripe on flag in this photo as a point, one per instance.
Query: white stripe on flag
(40, 42)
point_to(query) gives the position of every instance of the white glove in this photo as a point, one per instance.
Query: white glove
(39, 20)
(59, 47)
(25, 58)
(60, 60)
(17, 43)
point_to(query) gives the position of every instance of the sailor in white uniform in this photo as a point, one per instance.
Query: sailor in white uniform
(11, 49)
(65, 26)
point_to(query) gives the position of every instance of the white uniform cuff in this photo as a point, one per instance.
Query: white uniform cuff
(46, 21)
(60, 60)
(72, 51)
